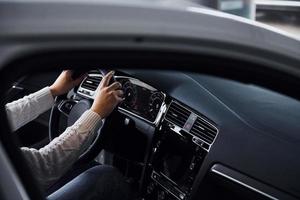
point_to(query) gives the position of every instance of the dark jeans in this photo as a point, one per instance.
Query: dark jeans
(101, 182)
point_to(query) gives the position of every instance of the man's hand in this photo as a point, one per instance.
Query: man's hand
(64, 83)
(107, 97)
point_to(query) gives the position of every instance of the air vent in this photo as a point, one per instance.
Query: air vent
(91, 83)
(177, 114)
(204, 130)
(94, 71)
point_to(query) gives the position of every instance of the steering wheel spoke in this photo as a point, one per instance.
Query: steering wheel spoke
(65, 106)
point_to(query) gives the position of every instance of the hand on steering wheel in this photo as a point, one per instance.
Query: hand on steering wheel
(108, 96)
(65, 82)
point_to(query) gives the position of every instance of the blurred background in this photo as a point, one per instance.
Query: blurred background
(282, 14)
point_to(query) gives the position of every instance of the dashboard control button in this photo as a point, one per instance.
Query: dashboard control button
(181, 196)
(126, 121)
(192, 166)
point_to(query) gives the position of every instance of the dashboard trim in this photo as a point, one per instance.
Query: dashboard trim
(223, 174)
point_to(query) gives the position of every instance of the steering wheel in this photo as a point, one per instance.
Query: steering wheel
(73, 109)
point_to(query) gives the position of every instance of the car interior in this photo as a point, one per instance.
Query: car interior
(180, 134)
(212, 100)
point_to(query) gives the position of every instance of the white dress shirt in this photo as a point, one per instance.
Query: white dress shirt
(50, 162)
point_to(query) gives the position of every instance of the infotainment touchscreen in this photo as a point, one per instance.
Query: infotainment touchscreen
(175, 159)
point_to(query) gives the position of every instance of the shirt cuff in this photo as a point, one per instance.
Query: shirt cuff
(89, 119)
(45, 98)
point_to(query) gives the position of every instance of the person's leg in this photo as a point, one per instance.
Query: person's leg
(70, 175)
(100, 182)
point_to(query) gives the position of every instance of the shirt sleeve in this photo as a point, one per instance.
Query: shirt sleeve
(24, 110)
(52, 161)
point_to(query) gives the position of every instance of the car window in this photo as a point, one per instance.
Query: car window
(282, 14)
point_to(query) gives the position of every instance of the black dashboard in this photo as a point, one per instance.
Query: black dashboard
(207, 126)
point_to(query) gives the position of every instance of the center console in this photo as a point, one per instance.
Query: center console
(177, 154)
